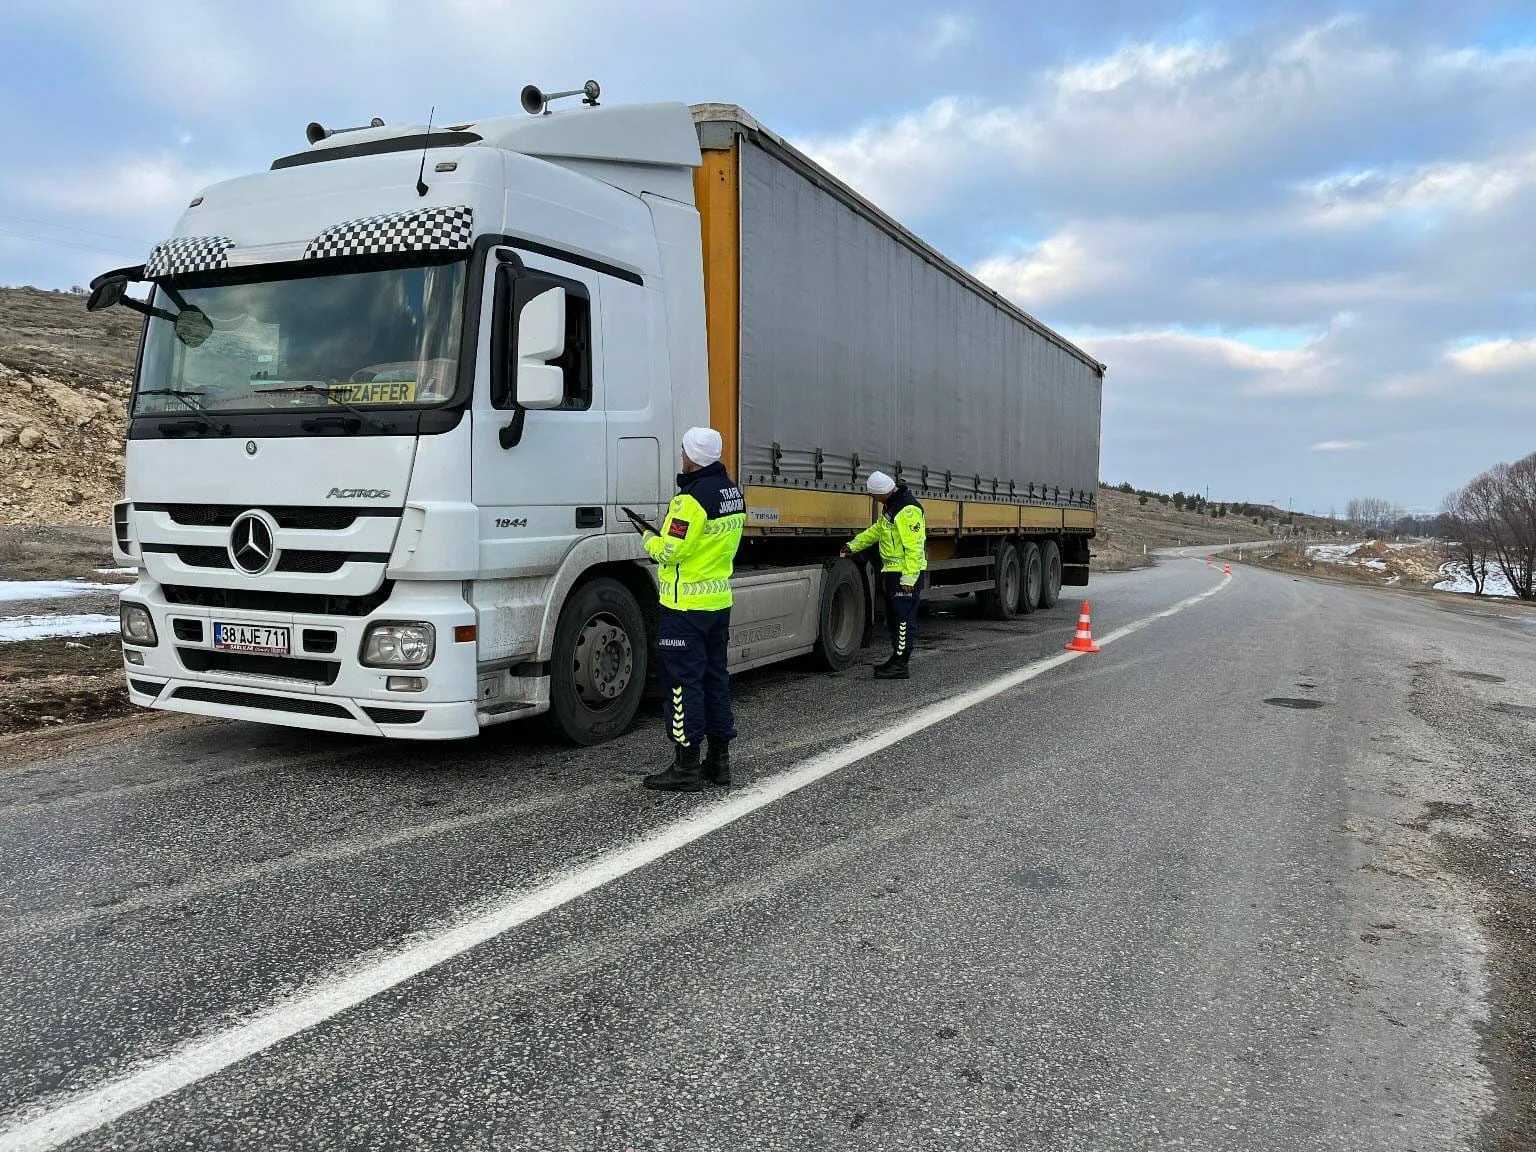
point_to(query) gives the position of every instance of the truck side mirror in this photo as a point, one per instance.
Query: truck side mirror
(107, 292)
(540, 339)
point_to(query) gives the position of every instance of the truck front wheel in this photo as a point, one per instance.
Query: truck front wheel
(597, 675)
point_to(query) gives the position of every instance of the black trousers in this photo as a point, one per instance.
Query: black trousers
(692, 648)
(901, 613)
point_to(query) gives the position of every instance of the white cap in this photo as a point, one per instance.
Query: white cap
(703, 445)
(879, 484)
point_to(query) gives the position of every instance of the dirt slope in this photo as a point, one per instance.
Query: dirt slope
(65, 376)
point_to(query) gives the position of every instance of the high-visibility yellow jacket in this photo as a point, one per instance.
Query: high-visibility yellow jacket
(902, 534)
(696, 549)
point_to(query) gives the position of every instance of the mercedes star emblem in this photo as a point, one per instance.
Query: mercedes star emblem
(250, 544)
(250, 447)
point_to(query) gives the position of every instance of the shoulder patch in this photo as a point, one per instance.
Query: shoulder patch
(678, 528)
(914, 526)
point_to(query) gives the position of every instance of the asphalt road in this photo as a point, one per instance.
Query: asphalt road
(1125, 903)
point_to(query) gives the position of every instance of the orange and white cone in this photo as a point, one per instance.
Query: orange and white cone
(1083, 641)
(1228, 570)
(1209, 563)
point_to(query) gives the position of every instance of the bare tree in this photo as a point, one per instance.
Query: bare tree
(1374, 513)
(1457, 528)
(1517, 525)
(1499, 508)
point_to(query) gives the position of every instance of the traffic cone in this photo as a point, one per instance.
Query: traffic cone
(1228, 570)
(1083, 641)
(1209, 563)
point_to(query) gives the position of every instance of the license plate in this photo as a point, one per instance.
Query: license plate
(251, 638)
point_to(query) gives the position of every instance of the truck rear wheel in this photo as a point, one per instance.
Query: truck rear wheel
(1001, 602)
(1050, 582)
(597, 675)
(1030, 585)
(842, 622)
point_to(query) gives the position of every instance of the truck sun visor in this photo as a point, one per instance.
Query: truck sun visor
(444, 229)
(188, 254)
(418, 230)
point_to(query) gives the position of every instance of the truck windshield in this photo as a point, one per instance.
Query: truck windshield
(381, 337)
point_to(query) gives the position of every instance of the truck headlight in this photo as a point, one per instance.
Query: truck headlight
(392, 644)
(137, 625)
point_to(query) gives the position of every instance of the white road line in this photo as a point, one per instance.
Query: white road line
(48, 1125)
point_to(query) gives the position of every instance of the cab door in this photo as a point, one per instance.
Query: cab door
(539, 478)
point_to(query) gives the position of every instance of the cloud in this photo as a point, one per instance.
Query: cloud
(1144, 64)
(126, 187)
(1339, 445)
(1494, 356)
(1235, 367)
(1362, 198)
(1061, 266)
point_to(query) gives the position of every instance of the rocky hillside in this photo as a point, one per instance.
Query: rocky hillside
(64, 376)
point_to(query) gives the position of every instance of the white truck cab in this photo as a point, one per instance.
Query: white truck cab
(383, 424)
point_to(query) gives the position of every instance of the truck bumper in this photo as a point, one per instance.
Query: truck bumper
(327, 690)
(454, 721)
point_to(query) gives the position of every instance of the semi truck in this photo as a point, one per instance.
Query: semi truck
(395, 394)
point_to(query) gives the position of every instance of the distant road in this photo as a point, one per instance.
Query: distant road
(1178, 893)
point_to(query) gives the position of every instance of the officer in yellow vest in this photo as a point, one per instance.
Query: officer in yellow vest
(902, 534)
(696, 552)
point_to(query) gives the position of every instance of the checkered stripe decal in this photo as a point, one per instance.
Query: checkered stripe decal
(419, 230)
(188, 254)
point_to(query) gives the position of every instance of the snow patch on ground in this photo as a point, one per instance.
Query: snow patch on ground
(15, 628)
(117, 571)
(1333, 553)
(11, 590)
(1459, 579)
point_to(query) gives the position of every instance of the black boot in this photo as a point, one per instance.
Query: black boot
(893, 669)
(683, 776)
(716, 768)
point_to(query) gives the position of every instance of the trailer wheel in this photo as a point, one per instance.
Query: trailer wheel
(1050, 565)
(842, 622)
(600, 660)
(1001, 602)
(1030, 586)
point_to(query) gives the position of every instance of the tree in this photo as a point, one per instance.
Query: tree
(1179, 500)
(1496, 517)
(1457, 528)
(1142, 500)
(1373, 513)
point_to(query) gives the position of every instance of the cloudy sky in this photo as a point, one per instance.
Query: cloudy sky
(1302, 234)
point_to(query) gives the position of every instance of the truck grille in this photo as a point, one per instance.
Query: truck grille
(270, 703)
(223, 515)
(254, 600)
(309, 561)
(395, 715)
(251, 664)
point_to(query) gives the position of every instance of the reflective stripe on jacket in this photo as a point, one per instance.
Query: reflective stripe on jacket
(902, 534)
(696, 550)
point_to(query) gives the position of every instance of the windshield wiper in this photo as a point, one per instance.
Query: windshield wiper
(328, 391)
(186, 400)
